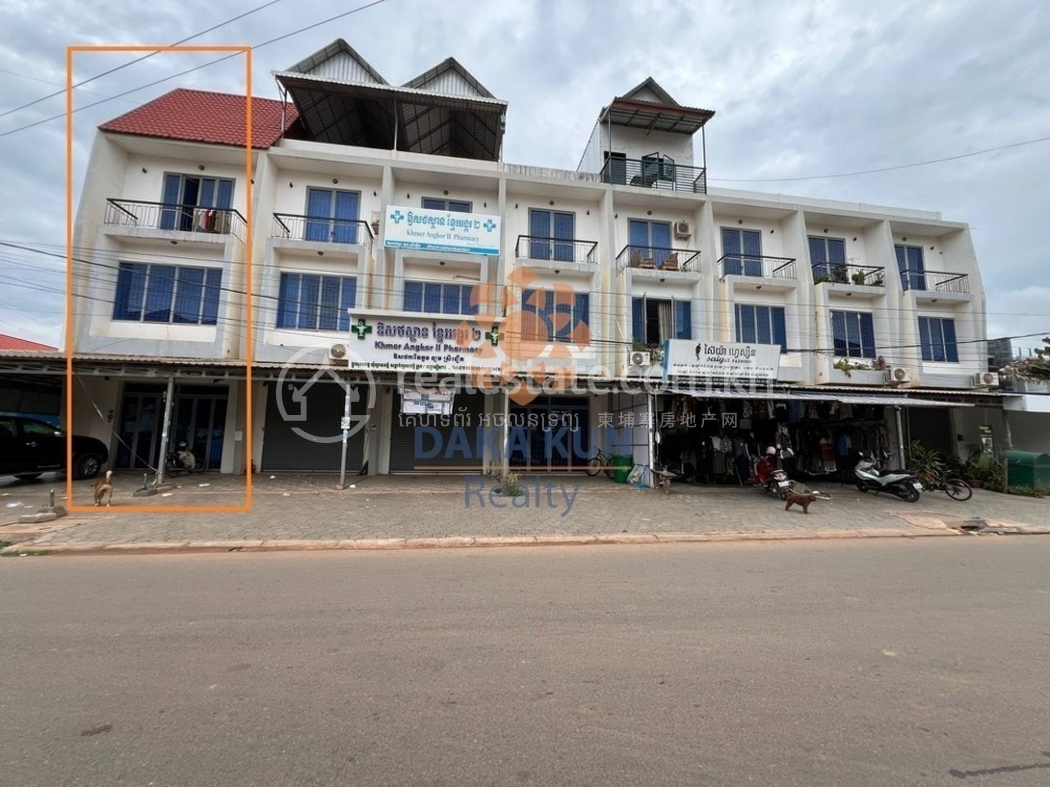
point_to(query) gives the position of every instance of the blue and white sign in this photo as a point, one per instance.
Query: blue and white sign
(442, 230)
(684, 358)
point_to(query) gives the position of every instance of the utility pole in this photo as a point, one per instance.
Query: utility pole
(165, 429)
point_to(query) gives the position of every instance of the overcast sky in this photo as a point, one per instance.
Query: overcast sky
(802, 90)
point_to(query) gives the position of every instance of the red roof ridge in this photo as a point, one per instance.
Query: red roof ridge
(211, 117)
(8, 342)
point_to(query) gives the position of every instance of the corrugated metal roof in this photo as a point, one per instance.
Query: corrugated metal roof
(201, 116)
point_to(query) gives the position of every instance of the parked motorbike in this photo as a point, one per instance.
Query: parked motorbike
(181, 459)
(774, 480)
(870, 478)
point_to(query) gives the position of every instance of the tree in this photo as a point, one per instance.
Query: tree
(1036, 368)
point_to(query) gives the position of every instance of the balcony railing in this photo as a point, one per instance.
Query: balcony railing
(848, 273)
(657, 258)
(322, 230)
(170, 216)
(915, 279)
(535, 247)
(757, 266)
(655, 174)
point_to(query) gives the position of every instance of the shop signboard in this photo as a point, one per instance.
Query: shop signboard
(686, 358)
(442, 230)
(386, 341)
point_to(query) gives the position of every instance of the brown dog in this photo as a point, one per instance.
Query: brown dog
(802, 500)
(103, 487)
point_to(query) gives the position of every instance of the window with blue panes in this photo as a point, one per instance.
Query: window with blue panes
(761, 325)
(912, 267)
(655, 320)
(167, 293)
(561, 311)
(853, 334)
(827, 256)
(332, 215)
(439, 298)
(741, 252)
(313, 302)
(551, 235)
(451, 205)
(649, 240)
(181, 194)
(937, 339)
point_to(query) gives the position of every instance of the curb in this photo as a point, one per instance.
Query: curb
(464, 542)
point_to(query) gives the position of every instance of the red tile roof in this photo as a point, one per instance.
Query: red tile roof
(14, 343)
(201, 116)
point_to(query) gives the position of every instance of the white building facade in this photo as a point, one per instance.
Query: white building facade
(386, 239)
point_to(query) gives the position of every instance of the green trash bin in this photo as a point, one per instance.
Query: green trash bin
(1028, 468)
(622, 466)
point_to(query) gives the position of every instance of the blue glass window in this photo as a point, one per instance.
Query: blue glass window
(761, 325)
(439, 298)
(742, 252)
(167, 293)
(853, 334)
(311, 302)
(937, 339)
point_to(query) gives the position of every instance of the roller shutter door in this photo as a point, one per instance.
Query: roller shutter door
(403, 453)
(284, 450)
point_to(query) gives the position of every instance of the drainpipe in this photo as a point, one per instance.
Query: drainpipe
(900, 434)
(345, 425)
(165, 428)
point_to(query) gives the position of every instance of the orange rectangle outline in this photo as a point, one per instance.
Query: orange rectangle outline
(249, 427)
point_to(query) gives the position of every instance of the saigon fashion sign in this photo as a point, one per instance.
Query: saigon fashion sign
(684, 358)
(417, 343)
(441, 230)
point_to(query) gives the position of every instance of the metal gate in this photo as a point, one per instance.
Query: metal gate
(320, 408)
(452, 447)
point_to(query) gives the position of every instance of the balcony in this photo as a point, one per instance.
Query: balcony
(534, 247)
(289, 226)
(757, 267)
(849, 273)
(929, 281)
(658, 258)
(655, 173)
(173, 217)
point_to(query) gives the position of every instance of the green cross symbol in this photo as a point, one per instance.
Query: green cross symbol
(362, 329)
(493, 336)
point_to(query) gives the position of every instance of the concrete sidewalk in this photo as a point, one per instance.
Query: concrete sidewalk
(308, 512)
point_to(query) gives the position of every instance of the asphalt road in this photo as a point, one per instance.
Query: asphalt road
(868, 662)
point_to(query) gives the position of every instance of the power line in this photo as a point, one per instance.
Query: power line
(885, 169)
(147, 56)
(195, 68)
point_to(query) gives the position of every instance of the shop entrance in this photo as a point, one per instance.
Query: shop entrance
(198, 419)
(549, 434)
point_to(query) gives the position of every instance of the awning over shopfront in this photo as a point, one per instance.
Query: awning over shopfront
(813, 396)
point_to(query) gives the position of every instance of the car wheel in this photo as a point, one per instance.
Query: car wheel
(28, 476)
(86, 466)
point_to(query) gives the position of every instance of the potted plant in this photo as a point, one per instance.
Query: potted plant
(859, 277)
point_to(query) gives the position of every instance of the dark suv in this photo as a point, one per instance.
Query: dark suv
(29, 448)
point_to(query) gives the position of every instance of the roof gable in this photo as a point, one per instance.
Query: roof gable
(649, 90)
(201, 116)
(449, 78)
(339, 61)
(23, 345)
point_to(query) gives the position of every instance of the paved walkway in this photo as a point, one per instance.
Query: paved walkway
(298, 509)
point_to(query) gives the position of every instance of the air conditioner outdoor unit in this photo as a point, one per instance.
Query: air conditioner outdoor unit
(683, 230)
(898, 375)
(639, 358)
(986, 380)
(337, 352)
(375, 221)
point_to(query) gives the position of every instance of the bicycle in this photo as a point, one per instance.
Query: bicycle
(599, 462)
(955, 488)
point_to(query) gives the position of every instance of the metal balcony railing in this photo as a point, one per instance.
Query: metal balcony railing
(657, 258)
(916, 279)
(535, 247)
(170, 216)
(848, 273)
(322, 230)
(757, 266)
(655, 173)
